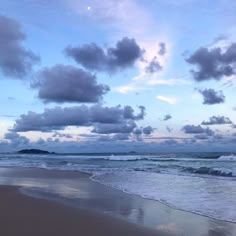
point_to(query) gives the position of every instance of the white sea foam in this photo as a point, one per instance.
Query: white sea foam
(202, 185)
(214, 198)
(227, 158)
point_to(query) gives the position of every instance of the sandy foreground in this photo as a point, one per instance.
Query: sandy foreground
(39, 202)
(21, 215)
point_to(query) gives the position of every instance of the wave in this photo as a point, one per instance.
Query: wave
(208, 171)
(145, 158)
(227, 158)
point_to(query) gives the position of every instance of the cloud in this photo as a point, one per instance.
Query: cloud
(93, 57)
(162, 50)
(115, 137)
(197, 129)
(61, 135)
(153, 66)
(213, 63)
(115, 120)
(16, 139)
(15, 61)
(217, 120)
(138, 132)
(120, 137)
(169, 129)
(147, 130)
(129, 113)
(103, 119)
(171, 82)
(146, 84)
(128, 88)
(201, 136)
(212, 97)
(167, 117)
(218, 136)
(169, 142)
(63, 83)
(126, 126)
(169, 100)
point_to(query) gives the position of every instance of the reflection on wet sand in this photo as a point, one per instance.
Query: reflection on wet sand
(78, 190)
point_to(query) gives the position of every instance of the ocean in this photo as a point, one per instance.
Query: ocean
(203, 183)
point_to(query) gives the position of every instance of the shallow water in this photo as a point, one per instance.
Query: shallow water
(75, 189)
(204, 183)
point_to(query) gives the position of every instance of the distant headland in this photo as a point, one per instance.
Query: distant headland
(34, 151)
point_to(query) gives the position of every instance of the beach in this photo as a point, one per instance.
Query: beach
(22, 215)
(118, 118)
(35, 201)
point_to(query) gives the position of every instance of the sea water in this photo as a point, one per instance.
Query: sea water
(203, 183)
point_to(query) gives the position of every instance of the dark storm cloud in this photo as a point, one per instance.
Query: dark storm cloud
(15, 61)
(212, 97)
(162, 50)
(197, 129)
(167, 117)
(154, 66)
(103, 119)
(93, 57)
(213, 63)
(63, 83)
(217, 120)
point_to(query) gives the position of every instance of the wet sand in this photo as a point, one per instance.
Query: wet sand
(69, 203)
(24, 216)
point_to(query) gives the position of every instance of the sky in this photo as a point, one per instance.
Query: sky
(118, 76)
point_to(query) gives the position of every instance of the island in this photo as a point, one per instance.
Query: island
(34, 151)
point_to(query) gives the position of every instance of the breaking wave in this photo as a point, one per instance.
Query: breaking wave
(227, 158)
(208, 171)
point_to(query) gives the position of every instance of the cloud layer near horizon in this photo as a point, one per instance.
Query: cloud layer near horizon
(104, 120)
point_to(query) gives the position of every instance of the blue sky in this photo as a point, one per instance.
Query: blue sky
(177, 59)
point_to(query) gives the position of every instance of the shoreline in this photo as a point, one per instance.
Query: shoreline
(99, 198)
(160, 202)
